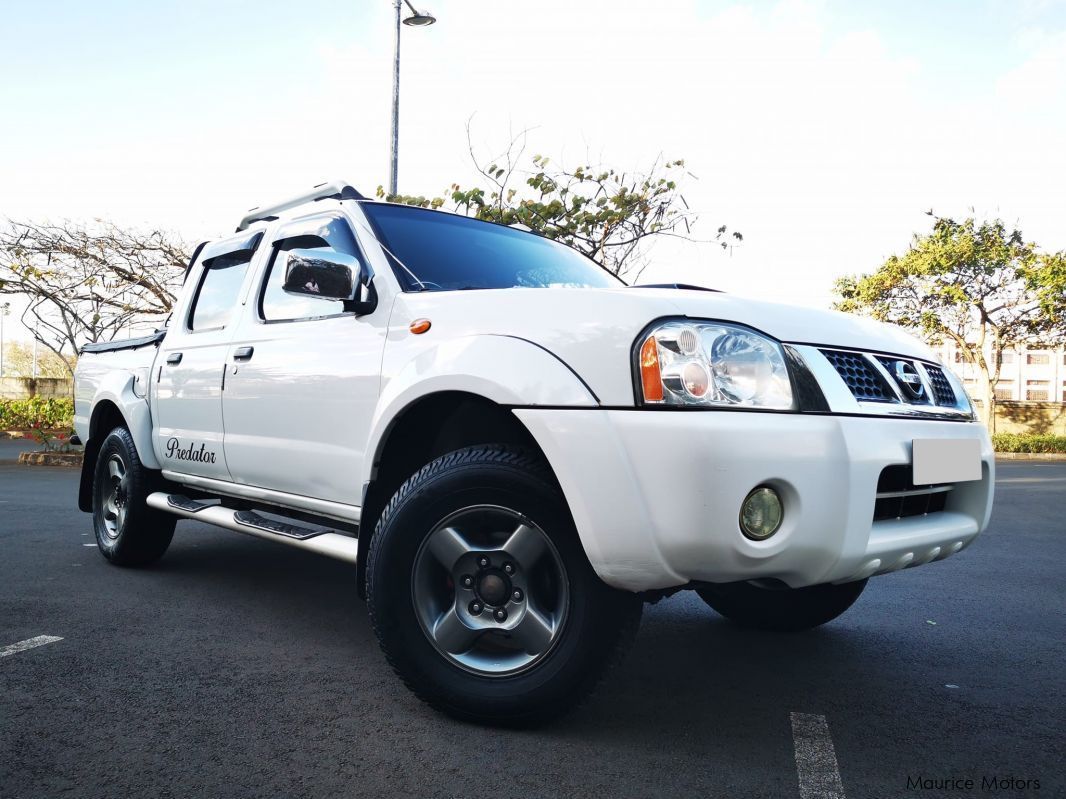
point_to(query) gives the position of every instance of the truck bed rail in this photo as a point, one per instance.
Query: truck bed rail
(125, 344)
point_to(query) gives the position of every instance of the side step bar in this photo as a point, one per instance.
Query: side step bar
(249, 518)
(328, 543)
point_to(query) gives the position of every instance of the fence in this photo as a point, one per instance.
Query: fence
(48, 387)
(1045, 418)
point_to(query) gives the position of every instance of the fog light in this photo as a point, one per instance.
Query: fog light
(761, 513)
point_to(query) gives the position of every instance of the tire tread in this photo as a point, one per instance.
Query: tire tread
(147, 533)
(520, 460)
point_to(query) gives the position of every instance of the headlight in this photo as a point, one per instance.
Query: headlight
(709, 364)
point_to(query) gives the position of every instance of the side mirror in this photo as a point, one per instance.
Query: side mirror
(330, 275)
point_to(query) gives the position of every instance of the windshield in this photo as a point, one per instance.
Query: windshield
(447, 252)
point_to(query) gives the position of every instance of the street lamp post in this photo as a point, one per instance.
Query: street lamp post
(417, 20)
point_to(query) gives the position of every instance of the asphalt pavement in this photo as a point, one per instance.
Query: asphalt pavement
(236, 667)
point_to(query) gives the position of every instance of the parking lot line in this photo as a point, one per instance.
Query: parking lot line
(816, 760)
(29, 643)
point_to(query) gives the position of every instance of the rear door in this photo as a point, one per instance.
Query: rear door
(187, 392)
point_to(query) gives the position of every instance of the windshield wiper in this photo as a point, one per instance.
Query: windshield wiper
(681, 286)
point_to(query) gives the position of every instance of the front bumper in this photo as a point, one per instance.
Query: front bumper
(656, 495)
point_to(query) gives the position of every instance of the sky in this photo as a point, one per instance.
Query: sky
(822, 130)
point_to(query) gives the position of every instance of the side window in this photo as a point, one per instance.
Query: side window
(327, 233)
(220, 285)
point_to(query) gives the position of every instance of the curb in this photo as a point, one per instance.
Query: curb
(50, 458)
(1031, 456)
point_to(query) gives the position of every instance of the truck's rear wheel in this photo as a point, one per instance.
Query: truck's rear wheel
(482, 597)
(781, 609)
(128, 532)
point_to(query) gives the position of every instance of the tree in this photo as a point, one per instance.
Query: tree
(975, 283)
(606, 214)
(18, 362)
(87, 284)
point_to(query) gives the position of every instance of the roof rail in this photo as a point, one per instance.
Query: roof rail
(334, 190)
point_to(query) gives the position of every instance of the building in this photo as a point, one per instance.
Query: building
(1033, 373)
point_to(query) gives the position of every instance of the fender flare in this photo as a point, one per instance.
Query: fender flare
(510, 371)
(117, 389)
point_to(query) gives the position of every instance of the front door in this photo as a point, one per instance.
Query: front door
(303, 378)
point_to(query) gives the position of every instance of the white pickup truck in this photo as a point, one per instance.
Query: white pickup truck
(515, 450)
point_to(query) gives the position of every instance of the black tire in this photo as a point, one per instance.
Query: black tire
(128, 532)
(598, 624)
(781, 609)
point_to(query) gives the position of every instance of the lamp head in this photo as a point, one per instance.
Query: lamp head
(420, 20)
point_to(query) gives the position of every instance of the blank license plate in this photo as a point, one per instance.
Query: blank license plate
(946, 460)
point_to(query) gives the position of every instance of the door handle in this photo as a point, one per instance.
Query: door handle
(243, 353)
(174, 359)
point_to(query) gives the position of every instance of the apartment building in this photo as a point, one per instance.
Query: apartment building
(1034, 373)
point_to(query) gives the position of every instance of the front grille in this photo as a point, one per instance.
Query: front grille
(862, 378)
(886, 378)
(942, 391)
(898, 497)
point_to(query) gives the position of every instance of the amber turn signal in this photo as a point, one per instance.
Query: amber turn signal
(650, 378)
(420, 326)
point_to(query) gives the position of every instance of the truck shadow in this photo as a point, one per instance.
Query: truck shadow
(692, 664)
(688, 667)
(297, 593)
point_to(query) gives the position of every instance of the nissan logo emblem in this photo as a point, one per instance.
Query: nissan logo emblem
(907, 376)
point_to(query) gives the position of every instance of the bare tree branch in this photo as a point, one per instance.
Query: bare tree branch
(608, 215)
(88, 283)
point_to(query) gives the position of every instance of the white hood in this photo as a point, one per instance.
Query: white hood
(795, 324)
(593, 330)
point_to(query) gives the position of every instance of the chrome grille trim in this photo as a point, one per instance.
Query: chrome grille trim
(887, 365)
(940, 398)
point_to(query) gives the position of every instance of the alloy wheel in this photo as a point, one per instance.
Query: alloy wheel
(490, 590)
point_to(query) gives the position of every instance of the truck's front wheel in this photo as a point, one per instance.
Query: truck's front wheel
(482, 597)
(128, 532)
(781, 609)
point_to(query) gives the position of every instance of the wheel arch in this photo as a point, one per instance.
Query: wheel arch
(106, 416)
(111, 411)
(426, 428)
